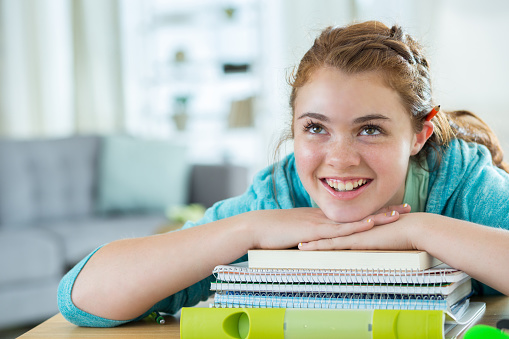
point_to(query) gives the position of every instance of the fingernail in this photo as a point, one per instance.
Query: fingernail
(300, 245)
(393, 213)
(368, 221)
(405, 205)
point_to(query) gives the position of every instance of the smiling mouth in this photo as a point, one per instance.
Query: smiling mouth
(346, 185)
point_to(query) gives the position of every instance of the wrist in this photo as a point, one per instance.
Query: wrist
(246, 231)
(419, 231)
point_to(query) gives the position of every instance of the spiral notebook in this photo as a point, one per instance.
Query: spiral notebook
(441, 288)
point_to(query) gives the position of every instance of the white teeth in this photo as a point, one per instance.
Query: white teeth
(345, 186)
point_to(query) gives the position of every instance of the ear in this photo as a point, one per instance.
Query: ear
(422, 137)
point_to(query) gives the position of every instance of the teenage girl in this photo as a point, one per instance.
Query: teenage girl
(368, 151)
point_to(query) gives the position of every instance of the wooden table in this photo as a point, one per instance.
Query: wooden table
(57, 327)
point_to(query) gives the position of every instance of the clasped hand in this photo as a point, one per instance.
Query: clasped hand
(310, 229)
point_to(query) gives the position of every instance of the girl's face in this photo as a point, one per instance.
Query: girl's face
(353, 142)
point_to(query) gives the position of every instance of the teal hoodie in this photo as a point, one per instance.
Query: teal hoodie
(464, 186)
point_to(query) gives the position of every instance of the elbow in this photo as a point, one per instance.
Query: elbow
(75, 315)
(66, 306)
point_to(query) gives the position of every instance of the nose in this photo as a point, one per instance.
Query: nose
(342, 153)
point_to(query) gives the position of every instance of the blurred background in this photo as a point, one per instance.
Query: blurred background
(210, 75)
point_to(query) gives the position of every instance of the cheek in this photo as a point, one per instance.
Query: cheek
(390, 163)
(307, 158)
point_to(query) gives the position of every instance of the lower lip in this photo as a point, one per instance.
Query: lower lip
(345, 195)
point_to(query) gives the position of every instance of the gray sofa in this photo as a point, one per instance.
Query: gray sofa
(62, 198)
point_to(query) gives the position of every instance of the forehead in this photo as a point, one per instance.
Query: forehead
(330, 89)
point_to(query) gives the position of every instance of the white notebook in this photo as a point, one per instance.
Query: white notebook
(342, 259)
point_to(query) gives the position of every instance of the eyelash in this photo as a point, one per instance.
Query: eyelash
(310, 125)
(375, 127)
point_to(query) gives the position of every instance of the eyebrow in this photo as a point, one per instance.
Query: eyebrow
(370, 117)
(316, 116)
(359, 120)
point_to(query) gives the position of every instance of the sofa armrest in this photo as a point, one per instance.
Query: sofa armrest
(212, 183)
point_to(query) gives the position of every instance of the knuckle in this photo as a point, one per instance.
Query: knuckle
(345, 229)
(325, 244)
(322, 244)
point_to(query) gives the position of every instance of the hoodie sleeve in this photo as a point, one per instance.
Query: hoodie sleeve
(469, 187)
(260, 195)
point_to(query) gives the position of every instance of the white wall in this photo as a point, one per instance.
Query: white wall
(465, 41)
(34, 33)
(470, 53)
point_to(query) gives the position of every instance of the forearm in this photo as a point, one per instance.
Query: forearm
(125, 278)
(481, 251)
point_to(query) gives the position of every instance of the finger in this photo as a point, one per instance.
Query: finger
(342, 230)
(359, 240)
(325, 244)
(402, 209)
(385, 218)
(379, 238)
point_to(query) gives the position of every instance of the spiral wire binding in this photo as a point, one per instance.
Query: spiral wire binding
(238, 286)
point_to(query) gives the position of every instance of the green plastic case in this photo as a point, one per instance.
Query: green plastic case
(238, 323)
(280, 323)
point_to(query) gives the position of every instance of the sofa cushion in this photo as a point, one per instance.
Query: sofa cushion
(82, 236)
(46, 179)
(137, 174)
(28, 303)
(222, 182)
(29, 254)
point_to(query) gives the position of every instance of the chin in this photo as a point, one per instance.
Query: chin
(345, 215)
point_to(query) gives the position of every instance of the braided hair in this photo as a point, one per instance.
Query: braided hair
(372, 46)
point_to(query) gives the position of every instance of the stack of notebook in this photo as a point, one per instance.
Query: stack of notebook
(411, 280)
